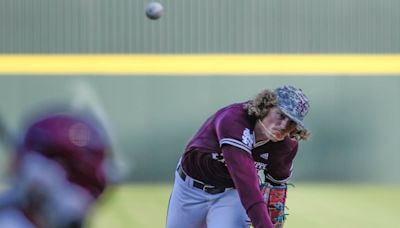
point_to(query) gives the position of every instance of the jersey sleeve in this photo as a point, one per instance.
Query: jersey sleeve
(236, 140)
(243, 173)
(234, 130)
(280, 169)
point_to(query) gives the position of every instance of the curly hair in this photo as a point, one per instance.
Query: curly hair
(260, 106)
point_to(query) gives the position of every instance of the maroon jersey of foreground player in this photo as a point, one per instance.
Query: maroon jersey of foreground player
(58, 172)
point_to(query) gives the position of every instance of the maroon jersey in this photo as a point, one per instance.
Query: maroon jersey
(231, 125)
(224, 153)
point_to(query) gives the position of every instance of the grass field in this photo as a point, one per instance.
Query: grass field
(310, 205)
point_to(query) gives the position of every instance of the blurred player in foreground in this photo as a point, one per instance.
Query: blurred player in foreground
(58, 172)
(238, 164)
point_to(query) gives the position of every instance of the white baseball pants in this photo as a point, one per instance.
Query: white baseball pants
(190, 207)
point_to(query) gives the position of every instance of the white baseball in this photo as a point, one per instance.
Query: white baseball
(154, 10)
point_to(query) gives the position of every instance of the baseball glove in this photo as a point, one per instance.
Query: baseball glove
(275, 197)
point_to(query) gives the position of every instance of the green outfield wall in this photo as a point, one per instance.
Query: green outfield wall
(354, 120)
(200, 26)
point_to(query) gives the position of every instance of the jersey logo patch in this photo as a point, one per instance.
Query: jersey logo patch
(248, 138)
(217, 156)
(265, 156)
(260, 165)
(79, 135)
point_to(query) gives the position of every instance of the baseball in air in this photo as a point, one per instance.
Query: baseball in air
(154, 10)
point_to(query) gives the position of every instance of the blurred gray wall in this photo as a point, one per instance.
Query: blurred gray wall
(354, 120)
(198, 26)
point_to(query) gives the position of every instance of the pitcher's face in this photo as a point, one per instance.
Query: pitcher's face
(276, 125)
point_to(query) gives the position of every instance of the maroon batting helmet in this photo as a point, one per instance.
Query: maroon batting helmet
(76, 141)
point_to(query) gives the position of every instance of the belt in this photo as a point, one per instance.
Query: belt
(200, 185)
